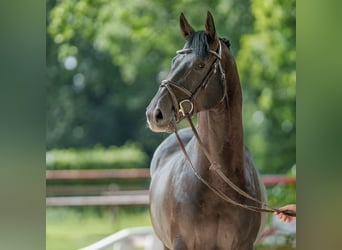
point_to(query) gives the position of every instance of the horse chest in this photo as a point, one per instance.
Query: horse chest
(186, 201)
(204, 227)
(182, 208)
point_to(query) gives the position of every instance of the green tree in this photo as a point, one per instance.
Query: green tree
(122, 49)
(267, 65)
(105, 60)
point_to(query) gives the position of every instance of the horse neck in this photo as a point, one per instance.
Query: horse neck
(221, 128)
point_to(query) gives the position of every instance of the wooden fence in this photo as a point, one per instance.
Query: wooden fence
(111, 195)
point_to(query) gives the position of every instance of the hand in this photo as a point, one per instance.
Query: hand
(286, 213)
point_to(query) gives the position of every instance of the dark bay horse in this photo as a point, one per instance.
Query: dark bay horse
(185, 212)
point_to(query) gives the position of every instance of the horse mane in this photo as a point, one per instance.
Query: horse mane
(198, 41)
(225, 41)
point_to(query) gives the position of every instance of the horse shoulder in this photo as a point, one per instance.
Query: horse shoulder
(255, 183)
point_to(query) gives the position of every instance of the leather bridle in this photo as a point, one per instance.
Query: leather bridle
(186, 108)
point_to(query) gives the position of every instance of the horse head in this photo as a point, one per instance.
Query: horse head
(196, 81)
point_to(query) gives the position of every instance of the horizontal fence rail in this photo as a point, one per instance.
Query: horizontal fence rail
(97, 174)
(108, 200)
(110, 195)
(140, 173)
(272, 180)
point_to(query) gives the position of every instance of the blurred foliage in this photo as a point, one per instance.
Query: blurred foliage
(105, 59)
(267, 65)
(281, 195)
(98, 157)
(130, 155)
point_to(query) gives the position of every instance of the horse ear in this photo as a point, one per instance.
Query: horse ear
(185, 27)
(210, 26)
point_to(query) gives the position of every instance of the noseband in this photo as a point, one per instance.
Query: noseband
(186, 107)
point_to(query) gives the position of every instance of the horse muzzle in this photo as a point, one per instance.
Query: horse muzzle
(160, 121)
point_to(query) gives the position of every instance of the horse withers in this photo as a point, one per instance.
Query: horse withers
(189, 200)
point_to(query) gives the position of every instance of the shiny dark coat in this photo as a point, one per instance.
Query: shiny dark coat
(184, 212)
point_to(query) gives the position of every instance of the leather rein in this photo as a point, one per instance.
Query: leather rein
(185, 109)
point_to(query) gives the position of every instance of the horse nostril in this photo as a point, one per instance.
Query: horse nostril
(158, 115)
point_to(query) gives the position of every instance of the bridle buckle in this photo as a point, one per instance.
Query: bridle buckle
(182, 107)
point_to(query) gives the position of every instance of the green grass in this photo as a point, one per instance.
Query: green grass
(74, 228)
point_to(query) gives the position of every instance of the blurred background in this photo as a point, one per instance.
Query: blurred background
(105, 60)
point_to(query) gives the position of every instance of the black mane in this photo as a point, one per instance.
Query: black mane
(198, 41)
(225, 41)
